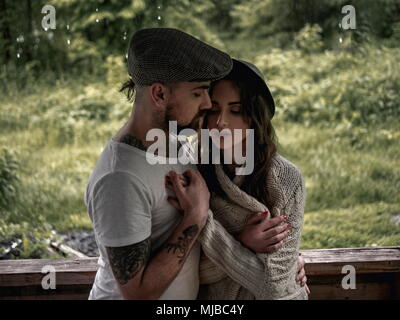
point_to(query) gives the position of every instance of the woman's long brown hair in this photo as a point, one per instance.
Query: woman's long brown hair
(255, 112)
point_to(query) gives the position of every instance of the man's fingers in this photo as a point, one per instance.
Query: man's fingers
(169, 186)
(185, 181)
(300, 263)
(304, 281)
(193, 176)
(176, 182)
(308, 289)
(301, 275)
(182, 178)
(174, 202)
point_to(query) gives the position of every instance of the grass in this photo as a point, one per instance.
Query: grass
(58, 130)
(352, 185)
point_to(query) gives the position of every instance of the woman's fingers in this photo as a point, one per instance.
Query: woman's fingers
(278, 238)
(256, 218)
(308, 289)
(274, 247)
(272, 232)
(270, 223)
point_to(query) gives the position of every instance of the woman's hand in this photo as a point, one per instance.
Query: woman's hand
(263, 235)
(192, 195)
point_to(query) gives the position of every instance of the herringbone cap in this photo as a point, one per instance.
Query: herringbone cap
(170, 55)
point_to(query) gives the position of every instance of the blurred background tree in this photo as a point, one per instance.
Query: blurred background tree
(89, 31)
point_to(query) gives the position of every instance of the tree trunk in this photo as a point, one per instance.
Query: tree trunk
(29, 35)
(5, 27)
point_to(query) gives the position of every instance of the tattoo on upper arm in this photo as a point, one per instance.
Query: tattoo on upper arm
(183, 242)
(127, 261)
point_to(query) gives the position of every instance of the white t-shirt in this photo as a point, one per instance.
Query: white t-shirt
(127, 202)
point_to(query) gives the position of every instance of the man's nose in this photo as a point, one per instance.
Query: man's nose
(206, 103)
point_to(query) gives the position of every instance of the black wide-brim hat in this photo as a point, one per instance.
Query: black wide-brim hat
(248, 72)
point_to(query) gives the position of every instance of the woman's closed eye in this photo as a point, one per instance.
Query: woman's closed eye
(213, 111)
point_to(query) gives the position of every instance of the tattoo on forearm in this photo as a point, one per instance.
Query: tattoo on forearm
(183, 242)
(132, 141)
(127, 261)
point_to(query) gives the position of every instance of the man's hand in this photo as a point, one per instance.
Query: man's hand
(301, 273)
(192, 195)
(263, 235)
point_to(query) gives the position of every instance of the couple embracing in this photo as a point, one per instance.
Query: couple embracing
(168, 230)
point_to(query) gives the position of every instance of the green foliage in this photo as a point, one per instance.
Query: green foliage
(9, 179)
(278, 21)
(335, 87)
(348, 169)
(352, 183)
(87, 32)
(345, 166)
(336, 91)
(309, 39)
(358, 226)
(26, 241)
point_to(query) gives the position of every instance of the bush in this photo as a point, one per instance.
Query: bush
(27, 241)
(309, 38)
(333, 87)
(9, 180)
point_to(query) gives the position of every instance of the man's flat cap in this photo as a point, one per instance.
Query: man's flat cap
(169, 55)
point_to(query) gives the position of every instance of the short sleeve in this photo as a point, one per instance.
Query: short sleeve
(121, 210)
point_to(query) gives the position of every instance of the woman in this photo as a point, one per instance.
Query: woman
(228, 269)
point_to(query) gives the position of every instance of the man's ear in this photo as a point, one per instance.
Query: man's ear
(159, 94)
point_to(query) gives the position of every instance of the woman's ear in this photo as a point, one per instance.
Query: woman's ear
(160, 94)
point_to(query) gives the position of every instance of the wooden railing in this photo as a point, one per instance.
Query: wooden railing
(377, 275)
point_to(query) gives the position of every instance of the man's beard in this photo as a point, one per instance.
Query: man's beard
(162, 119)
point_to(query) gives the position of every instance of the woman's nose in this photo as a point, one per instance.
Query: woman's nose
(222, 122)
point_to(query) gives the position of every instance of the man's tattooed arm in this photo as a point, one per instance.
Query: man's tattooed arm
(183, 243)
(127, 261)
(143, 277)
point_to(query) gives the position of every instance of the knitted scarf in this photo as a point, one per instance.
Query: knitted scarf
(231, 213)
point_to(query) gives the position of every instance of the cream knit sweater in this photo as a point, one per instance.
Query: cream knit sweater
(230, 271)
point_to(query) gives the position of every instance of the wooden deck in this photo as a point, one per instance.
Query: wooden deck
(377, 275)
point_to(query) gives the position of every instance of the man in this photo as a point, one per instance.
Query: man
(148, 250)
